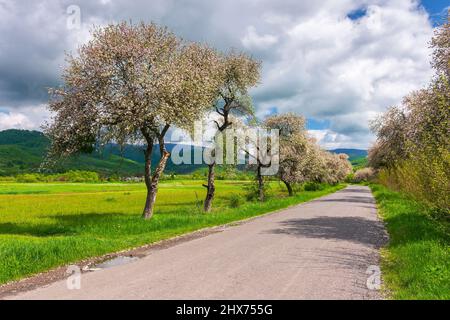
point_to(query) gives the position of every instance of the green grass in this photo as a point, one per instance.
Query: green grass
(359, 162)
(57, 188)
(416, 263)
(46, 225)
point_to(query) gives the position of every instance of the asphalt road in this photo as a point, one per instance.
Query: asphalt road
(322, 249)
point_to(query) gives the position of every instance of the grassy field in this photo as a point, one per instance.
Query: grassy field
(359, 163)
(416, 263)
(46, 225)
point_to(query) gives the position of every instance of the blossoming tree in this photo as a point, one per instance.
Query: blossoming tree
(131, 83)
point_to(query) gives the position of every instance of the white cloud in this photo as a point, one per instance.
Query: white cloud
(15, 120)
(331, 140)
(330, 67)
(252, 40)
(316, 60)
(27, 118)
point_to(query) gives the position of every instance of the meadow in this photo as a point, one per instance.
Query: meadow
(415, 263)
(45, 225)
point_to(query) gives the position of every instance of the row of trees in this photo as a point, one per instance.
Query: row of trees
(412, 150)
(132, 83)
(301, 159)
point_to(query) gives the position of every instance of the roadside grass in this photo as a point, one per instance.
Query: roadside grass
(416, 263)
(43, 226)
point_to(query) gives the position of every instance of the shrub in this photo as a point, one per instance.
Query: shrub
(220, 176)
(71, 176)
(7, 179)
(197, 176)
(425, 180)
(350, 178)
(313, 186)
(81, 176)
(114, 178)
(252, 191)
(364, 175)
(236, 200)
(29, 178)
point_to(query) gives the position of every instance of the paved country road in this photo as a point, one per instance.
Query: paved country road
(317, 250)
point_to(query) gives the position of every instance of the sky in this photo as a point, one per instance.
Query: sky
(340, 63)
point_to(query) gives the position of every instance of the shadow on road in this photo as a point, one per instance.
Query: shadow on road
(350, 199)
(350, 190)
(354, 229)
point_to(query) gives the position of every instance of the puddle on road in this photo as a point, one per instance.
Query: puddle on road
(117, 261)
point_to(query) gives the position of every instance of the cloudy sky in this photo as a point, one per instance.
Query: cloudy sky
(338, 62)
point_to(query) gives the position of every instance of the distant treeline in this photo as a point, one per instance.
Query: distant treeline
(81, 176)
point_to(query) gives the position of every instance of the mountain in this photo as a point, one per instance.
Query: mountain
(22, 151)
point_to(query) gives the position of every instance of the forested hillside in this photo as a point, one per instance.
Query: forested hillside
(22, 151)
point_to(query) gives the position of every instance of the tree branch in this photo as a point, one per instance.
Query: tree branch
(219, 112)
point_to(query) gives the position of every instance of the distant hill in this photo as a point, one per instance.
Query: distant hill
(22, 151)
(352, 153)
(357, 157)
(136, 153)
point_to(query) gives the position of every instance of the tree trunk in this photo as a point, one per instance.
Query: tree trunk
(289, 188)
(148, 179)
(149, 203)
(211, 188)
(152, 181)
(260, 184)
(152, 185)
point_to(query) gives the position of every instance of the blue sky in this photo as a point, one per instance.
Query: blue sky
(313, 124)
(337, 63)
(436, 9)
